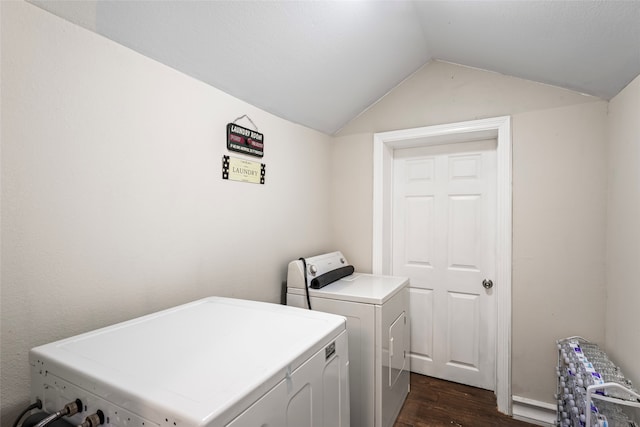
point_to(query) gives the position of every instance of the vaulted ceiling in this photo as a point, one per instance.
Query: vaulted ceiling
(321, 63)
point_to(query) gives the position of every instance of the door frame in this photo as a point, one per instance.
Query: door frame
(384, 144)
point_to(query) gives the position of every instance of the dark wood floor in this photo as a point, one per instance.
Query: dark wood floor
(433, 403)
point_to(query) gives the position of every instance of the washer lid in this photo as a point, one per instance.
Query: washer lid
(364, 288)
(197, 361)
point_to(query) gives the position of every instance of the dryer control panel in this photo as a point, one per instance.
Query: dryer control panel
(316, 266)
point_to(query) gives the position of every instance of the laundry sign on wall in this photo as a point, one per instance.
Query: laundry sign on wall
(245, 141)
(236, 169)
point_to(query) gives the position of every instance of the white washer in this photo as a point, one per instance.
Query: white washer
(213, 362)
(377, 312)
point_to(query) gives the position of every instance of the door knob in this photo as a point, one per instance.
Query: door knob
(487, 283)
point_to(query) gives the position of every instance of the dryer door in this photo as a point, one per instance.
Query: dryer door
(392, 370)
(397, 348)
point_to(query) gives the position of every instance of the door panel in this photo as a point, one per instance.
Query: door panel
(463, 330)
(419, 219)
(443, 238)
(421, 313)
(464, 232)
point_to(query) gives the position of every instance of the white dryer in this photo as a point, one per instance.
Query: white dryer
(377, 312)
(214, 362)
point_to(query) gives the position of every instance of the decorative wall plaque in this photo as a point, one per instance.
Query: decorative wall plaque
(245, 141)
(236, 169)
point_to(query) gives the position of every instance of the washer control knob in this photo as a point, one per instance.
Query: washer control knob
(342, 260)
(313, 270)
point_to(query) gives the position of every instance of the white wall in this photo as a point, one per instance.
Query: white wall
(559, 188)
(623, 230)
(559, 176)
(113, 204)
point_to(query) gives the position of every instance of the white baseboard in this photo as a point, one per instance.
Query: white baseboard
(533, 411)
